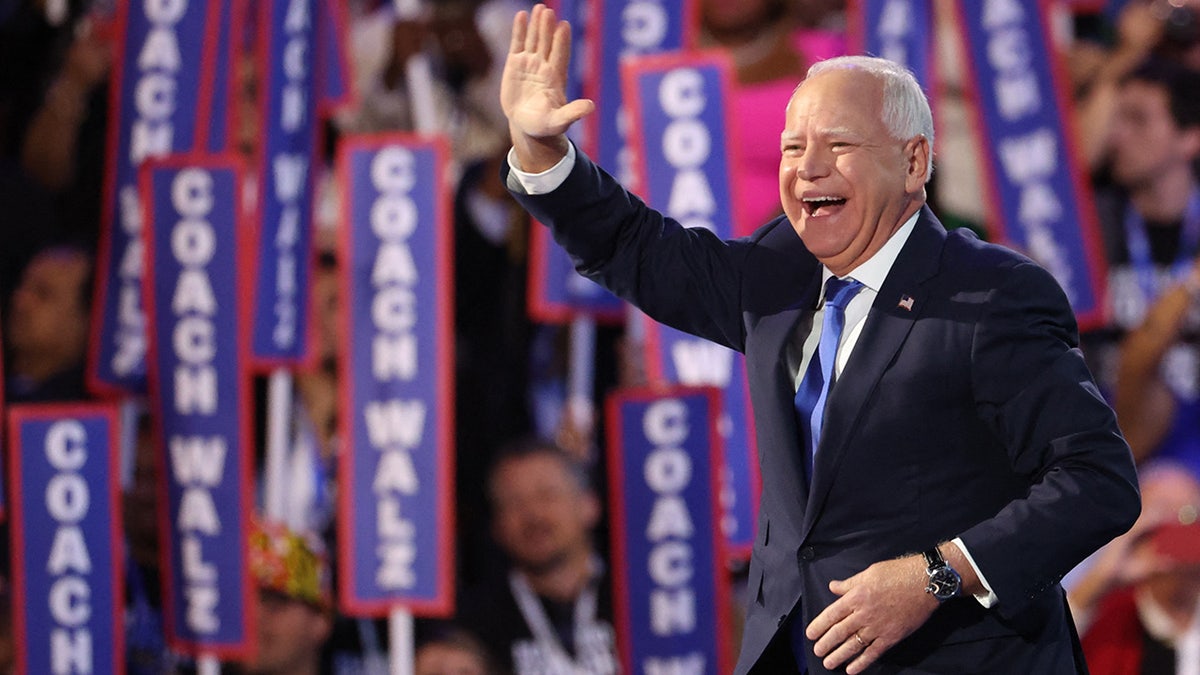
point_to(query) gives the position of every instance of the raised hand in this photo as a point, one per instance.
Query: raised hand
(533, 88)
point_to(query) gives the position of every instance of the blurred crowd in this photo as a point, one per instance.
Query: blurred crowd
(533, 594)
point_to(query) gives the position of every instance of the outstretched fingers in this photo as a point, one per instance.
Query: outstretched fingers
(531, 34)
(519, 29)
(560, 53)
(546, 32)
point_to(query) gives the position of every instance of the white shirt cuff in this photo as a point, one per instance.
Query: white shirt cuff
(988, 599)
(546, 181)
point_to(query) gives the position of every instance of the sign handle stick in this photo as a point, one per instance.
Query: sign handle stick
(400, 642)
(130, 411)
(418, 74)
(279, 405)
(208, 664)
(580, 373)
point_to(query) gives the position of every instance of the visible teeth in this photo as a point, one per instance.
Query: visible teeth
(822, 199)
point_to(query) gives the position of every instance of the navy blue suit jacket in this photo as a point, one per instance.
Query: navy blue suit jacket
(967, 412)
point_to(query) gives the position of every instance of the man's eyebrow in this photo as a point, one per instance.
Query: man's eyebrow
(826, 132)
(837, 131)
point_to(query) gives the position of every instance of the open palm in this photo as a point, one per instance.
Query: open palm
(533, 88)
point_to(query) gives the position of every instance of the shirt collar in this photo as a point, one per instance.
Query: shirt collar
(874, 270)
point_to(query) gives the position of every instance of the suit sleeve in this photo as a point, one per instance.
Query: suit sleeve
(686, 278)
(1035, 392)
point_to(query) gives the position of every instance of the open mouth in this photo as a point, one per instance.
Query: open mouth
(822, 205)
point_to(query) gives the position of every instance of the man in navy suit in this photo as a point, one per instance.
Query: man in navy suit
(934, 453)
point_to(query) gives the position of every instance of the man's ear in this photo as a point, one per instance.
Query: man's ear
(917, 156)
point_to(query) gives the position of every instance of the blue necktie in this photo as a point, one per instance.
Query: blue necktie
(810, 401)
(814, 388)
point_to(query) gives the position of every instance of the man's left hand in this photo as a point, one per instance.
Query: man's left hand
(878, 607)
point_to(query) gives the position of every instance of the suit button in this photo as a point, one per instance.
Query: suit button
(781, 620)
(805, 554)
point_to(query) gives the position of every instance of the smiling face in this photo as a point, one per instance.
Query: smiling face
(543, 517)
(1146, 142)
(845, 182)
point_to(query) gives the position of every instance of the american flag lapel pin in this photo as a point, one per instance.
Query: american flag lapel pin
(906, 303)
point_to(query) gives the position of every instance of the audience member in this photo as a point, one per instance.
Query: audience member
(1137, 605)
(1150, 221)
(50, 150)
(1149, 412)
(53, 117)
(771, 54)
(1097, 71)
(145, 642)
(452, 651)
(48, 327)
(295, 616)
(460, 42)
(553, 613)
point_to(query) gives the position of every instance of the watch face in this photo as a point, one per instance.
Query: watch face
(944, 583)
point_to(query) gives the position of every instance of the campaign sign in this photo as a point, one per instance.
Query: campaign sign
(1037, 191)
(67, 540)
(578, 14)
(332, 60)
(672, 615)
(395, 514)
(620, 29)
(220, 66)
(681, 122)
(614, 29)
(897, 30)
(289, 97)
(201, 400)
(155, 107)
(556, 292)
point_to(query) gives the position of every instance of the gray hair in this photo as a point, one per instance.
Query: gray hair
(906, 110)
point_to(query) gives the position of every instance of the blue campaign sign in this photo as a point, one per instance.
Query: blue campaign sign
(897, 30)
(220, 62)
(156, 102)
(556, 291)
(672, 608)
(288, 44)
(605, 33)
(395, 511)
(624, 29)
(67, 540)
(200, 395)
(678, 107)
(1042, 204)
(332, 60)
(578, 14)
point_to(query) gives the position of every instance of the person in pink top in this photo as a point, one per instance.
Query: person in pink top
(771, 53)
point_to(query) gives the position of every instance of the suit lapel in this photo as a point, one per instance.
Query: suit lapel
(766, 353)
(897, 306)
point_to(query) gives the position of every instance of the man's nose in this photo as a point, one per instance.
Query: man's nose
(812, 163)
